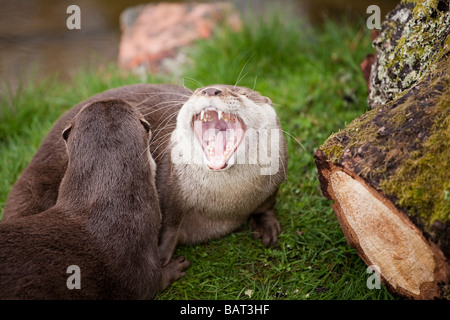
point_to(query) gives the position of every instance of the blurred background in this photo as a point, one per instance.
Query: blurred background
(34, 37)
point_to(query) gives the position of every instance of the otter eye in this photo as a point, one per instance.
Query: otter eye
(66, 132)
(145, 124)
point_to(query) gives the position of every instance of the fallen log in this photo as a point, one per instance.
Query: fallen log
(388, 175)
(388, 172)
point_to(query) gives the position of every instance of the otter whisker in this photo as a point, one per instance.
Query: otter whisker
(163, 152)
(254, 82)
(185, 88)
(150, 96)
(193, 80)
(168, 119)
(239, 79)
(155, 132)
(145, 151)
(162, 140)
(168, 103)
(299, 143)
(167, 109)
(162, 93)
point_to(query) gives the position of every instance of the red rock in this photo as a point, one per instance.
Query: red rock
(154, 32)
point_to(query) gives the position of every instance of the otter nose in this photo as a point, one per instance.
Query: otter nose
(211, 92)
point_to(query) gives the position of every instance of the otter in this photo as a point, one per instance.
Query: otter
(104, 224)
(208, 144)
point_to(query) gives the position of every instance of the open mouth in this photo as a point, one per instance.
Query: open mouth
(219, 134)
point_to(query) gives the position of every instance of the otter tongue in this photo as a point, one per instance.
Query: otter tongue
(219, 138)
(217, 162)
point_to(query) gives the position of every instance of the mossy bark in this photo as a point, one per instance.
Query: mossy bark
(411, 41)
(399, 151)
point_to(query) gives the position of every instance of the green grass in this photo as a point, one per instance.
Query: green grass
(312, 75)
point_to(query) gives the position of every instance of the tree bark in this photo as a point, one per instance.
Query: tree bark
(388, 172)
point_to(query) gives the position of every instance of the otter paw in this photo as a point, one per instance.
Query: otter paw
(174, 270)
(266, 227)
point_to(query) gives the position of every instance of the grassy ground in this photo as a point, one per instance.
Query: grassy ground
(312, 75)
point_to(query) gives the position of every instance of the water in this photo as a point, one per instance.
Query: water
(34, 32)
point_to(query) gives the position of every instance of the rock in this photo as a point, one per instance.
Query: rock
(412, 39)
(154, 34)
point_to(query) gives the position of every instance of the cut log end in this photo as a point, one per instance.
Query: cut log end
(383, 236)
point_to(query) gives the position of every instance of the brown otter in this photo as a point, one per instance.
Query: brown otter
(105, 221)
(208, 146)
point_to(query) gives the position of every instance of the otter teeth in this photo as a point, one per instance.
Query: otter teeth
(206, 117)
(229, 118)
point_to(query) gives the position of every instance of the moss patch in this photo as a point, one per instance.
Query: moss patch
(422, 184)
(427, 172)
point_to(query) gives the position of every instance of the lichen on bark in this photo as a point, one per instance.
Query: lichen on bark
(412, 39)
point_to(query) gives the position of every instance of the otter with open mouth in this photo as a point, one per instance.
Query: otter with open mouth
(220, 158)
(219, 169)
(216, 128)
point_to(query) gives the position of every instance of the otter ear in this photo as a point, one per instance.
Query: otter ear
(66, 132)
(145, 124)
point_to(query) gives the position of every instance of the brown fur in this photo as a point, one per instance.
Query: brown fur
(37, 187)
(105, 221)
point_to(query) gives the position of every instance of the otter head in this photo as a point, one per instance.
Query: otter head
(109, 129)
(107, 146)
(216, 119)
